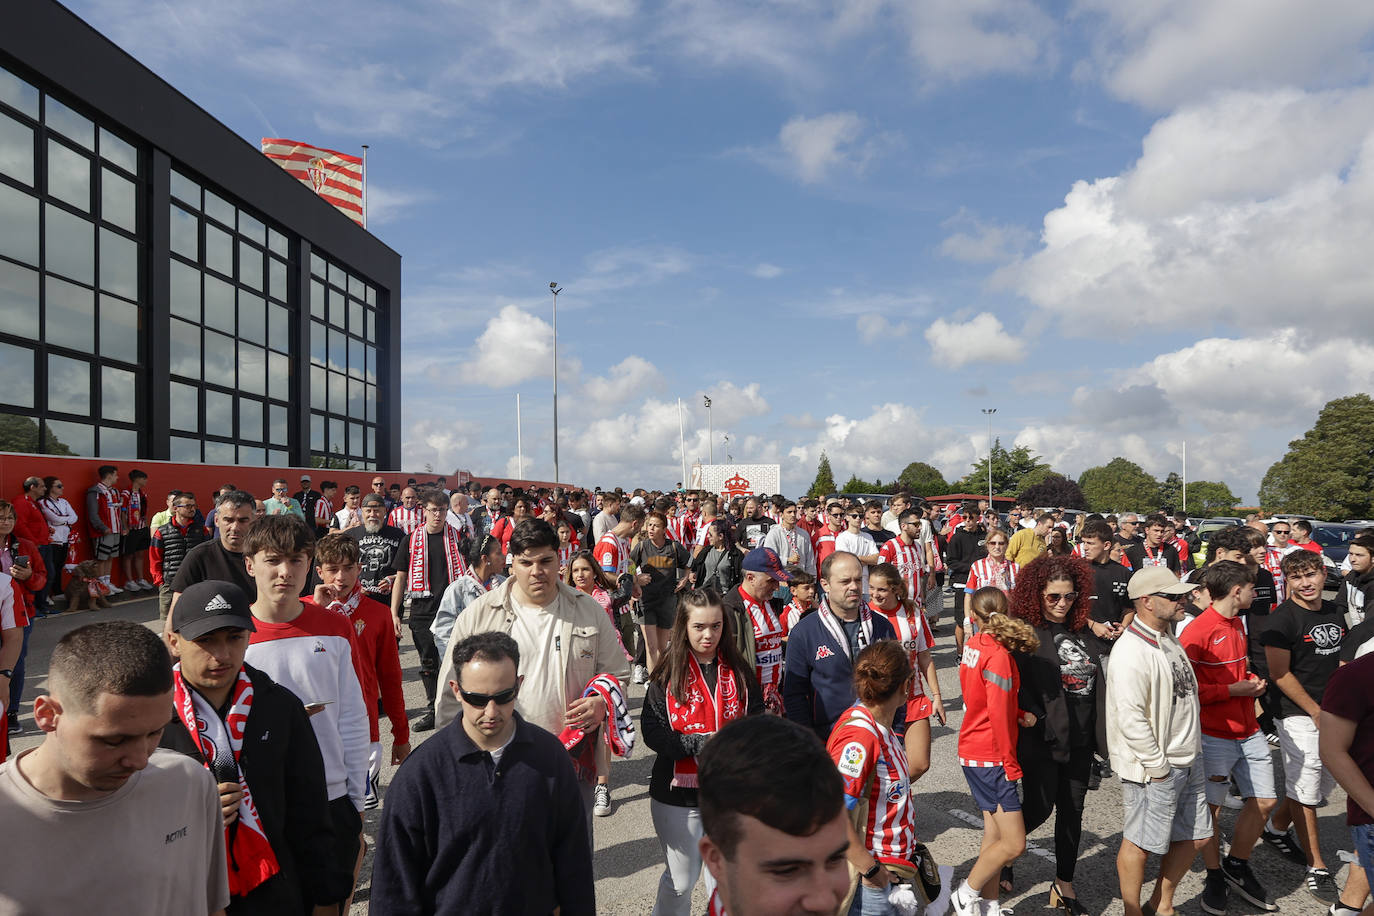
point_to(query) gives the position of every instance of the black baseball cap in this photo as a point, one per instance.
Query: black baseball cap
(209, 606)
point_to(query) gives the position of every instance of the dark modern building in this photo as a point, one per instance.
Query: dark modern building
(166, 291)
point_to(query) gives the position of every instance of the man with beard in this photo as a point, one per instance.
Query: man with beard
(377, 544)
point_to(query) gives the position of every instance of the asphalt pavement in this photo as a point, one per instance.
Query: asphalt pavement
(629, 860)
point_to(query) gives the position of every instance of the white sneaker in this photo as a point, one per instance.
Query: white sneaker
(114, 589)
(966, 904)
(601, 801)
(640, 675)
(146, 585)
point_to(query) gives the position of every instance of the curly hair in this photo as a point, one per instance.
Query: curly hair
(1035, 575)
(988, 606)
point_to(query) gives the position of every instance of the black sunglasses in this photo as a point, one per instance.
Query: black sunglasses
(1055, 598)
(480, 700)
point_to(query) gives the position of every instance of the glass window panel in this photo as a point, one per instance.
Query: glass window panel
(355, 287)
(338, 393)
(276, 280)
(337, 277)
(252, 456)
(355, 357)
(186, 190)
(355, 439)
(317, 299)
(370, 296)
(277, 425)
(338, 350)
(117, 202)
(372, 364)
(62, 119)
(185, 233)
(278, 327)
(219, 413)
(18, 301)
(21, 432)
(355, 398)
(371, 399)
(338, 310)
(117, 395)
(69, 175)
(250, 265)
(370, 331)
(279, 376)
(337, 430)
(276, 242)
(250, 419)
(115, 150)
(355, 317)
(185, 407)
(370, 449)
(252, 228)
(69, 244)
(318, 343)
(18, 94)
(316, 433)
(18, 225)
(185, 291)
(220, 453)
(16, 149)
(317, 265)
(278, 458)
(219, 359)
(219, 250)
(16, 374)
(186, 451)
(252, 318)
(69, 319)
(217, 207)
(219, 304)
(185, 345)
(252, 369)
(69, 385)
(118, 264)
(118, 443)
(119, 329)
(63, 438)
(319, 389)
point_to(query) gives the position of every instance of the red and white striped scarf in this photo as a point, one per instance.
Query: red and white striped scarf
(251, 859)
(111, 508)
(714, 907)
(618, 733)
(417, 582)
(702, 713)
(349, 603)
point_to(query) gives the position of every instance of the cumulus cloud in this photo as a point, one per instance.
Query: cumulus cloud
(766, 271)
(980, 339)
(814, 149)
(627, 379)
(444, 444)
(513, 347)
(874, 327)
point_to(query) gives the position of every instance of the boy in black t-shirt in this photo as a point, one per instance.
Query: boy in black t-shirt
(1302, 641)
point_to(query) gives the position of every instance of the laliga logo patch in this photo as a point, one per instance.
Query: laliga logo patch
(823, 652)
(851, 762)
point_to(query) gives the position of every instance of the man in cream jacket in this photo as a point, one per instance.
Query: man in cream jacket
(1155, 741)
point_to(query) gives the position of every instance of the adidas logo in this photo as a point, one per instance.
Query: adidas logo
(218, 603)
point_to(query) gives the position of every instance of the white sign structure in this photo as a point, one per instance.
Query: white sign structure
(737, 479)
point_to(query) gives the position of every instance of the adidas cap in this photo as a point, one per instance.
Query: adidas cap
(209, 606)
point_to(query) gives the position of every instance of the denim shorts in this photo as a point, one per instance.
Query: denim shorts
(1363, 837)
(991, 789)
(1168, 811)
(1245, 761)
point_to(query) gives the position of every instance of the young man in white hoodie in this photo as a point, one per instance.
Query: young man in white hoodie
(1155, 741)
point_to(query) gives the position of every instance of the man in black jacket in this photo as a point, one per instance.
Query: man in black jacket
(967, 545)
(271, 778)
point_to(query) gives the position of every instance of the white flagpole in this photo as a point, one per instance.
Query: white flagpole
(364, 185)
(519, 442)
(1185, 476)
(681, 442)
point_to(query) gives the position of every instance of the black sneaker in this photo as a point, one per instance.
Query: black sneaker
(1239, 876)
(424, 724)
(1321, 885)
(1285, 844)
(1214, 894)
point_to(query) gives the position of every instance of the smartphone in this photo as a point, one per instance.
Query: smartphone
(316, 707)
(21, 561)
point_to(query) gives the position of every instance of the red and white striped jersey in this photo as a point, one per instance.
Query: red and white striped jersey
(565, 554)
(824, 544)
(867, 754)
(324, 511)
(703, 532)
(908, 560)
(915, 637)
(406, 519)
(613, 554)
(767, 641)
(792, 616)
(1273, 561)
(682, 529)
(1078, 551)
(986, 572)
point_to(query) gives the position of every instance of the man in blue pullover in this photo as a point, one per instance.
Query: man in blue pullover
(819, 681)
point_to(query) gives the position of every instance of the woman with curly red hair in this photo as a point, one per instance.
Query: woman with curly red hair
(1062, 684)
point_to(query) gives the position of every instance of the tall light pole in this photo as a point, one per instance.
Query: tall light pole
(710, 431)
(988, 412)
(555, 289)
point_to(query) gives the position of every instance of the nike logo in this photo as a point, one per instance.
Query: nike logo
(1219, 639)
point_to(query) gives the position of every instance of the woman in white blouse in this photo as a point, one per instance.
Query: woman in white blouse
(61, 516)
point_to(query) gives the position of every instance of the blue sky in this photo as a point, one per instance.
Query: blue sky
(852, 224)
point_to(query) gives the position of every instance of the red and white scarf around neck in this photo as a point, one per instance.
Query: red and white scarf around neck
(349, 603)
(832, 626)
(250, 855)
(417, 582)
(702, 713)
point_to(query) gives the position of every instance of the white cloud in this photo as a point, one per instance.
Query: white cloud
(874, 327)
(628, 266)
(1247, 209)
(444, 444)
(766, 271)
(980, 339)
(964, 39)
(630, 378)
(513, 347)
(978, 241)
(387, 205)
(814, 149)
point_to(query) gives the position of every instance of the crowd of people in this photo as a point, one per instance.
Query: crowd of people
(785, 653)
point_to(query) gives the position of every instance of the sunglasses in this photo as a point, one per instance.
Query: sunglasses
(1176, 599)
(480, 700)
(1067, 597)
(1282, 531)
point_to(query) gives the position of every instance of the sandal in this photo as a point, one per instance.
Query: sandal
(1007, 882)
(1069, 905)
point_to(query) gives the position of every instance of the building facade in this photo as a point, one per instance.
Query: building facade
(166, 291)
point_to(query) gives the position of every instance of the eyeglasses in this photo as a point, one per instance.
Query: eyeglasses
(1176, 599)
(435, 509)
(183, 505)
(57, 486)
(1283, 531)
(1066, 598)
(379, 483)
(480, 700)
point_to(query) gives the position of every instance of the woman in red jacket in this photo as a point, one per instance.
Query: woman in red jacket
(987, 744)
(20, 558)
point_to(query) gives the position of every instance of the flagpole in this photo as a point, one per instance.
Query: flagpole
(364, 185)
(681, 442)
(519, 441)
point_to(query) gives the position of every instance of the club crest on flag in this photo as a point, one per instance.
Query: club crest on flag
(336, 177)
(318, 173)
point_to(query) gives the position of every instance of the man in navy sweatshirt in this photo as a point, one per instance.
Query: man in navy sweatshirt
(486, 817)
(819, 681)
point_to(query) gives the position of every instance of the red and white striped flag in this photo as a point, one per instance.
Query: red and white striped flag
(335, 176)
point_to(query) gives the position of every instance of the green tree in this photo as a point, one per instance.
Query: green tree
(1010, 470)
(856, 484)
(922, 480)
(20, 434)
(1210, 497)
(825, 479)
(1119, 486)
(1054, 490)
(1171, 493)
(1329, 472)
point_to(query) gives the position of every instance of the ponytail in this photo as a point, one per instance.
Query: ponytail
(988, 605)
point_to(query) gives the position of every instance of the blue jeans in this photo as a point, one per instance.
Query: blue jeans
(871, 901)
(17, 682)
(1363, 837)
